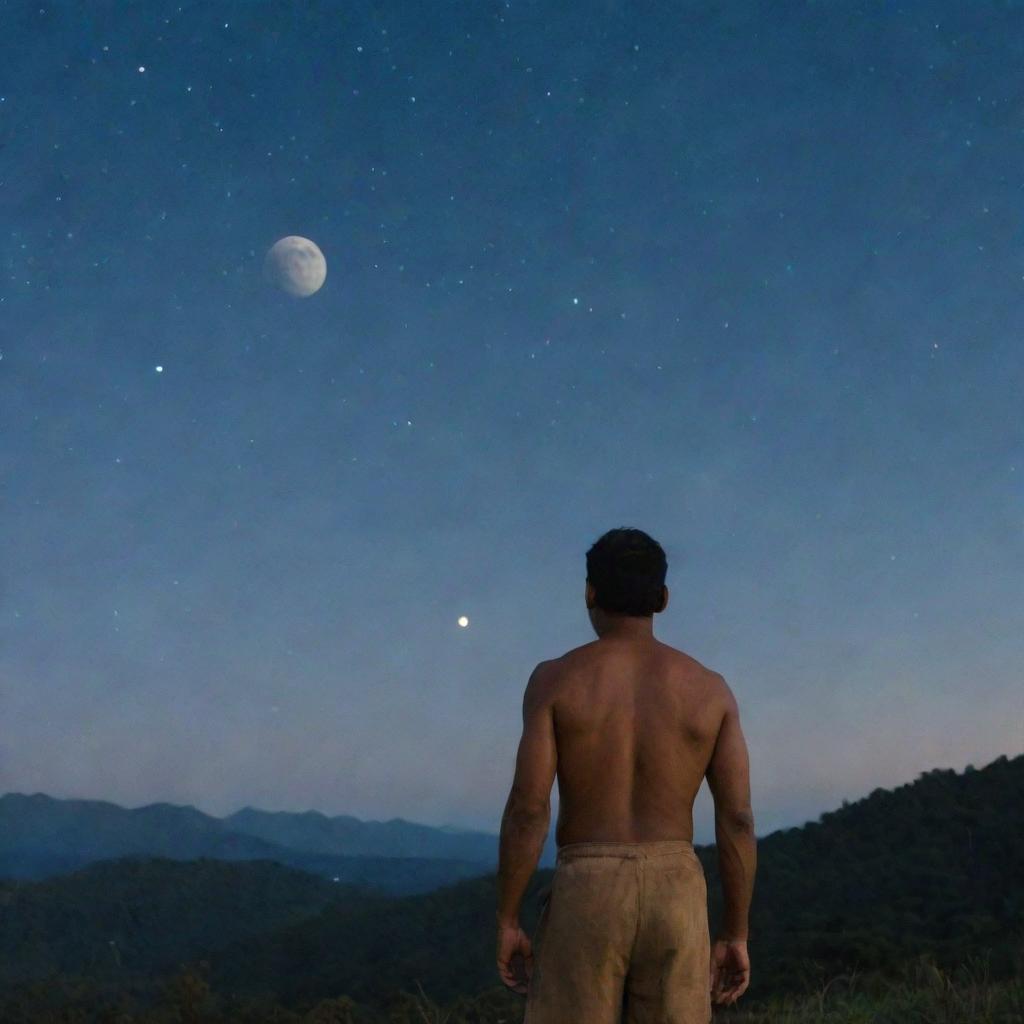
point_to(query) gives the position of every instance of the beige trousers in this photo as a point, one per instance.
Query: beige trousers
(623, 936)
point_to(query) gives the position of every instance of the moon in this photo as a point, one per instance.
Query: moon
(296, 265)
(463, 621)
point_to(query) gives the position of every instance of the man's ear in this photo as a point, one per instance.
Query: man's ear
(664, 599)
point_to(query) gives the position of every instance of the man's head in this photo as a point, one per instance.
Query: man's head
(625, 578)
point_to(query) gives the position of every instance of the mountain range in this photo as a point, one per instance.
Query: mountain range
(41, 836)
(934, 867)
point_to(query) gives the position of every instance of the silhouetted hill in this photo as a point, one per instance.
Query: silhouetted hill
(41, 836)
(144, 915)
(936, 864)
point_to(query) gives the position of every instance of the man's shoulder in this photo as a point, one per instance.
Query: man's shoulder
(552, 672)
(574, 653)
(693, 667)
(573, 659)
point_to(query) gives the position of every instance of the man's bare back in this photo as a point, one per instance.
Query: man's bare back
(635, 728)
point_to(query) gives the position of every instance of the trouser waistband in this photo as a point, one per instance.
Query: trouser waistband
(648, 848)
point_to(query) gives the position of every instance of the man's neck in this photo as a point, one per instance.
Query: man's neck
(627, 627)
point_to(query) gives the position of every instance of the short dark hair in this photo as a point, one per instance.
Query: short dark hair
(627, 570)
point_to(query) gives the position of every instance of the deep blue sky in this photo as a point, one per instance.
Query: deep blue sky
(751, 280)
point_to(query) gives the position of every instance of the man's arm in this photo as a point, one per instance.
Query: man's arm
(524, 825)
(728, 777)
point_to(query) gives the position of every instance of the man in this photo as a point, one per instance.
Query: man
(632, 727)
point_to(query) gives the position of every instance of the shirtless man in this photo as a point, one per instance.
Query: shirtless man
(632, 727)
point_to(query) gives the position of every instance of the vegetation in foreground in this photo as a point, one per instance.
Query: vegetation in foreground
(919, 992)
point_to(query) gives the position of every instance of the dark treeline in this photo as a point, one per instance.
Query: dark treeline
(931, 872)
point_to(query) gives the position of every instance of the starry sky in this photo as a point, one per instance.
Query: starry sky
(748, 277)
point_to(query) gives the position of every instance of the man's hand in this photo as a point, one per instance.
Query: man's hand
(515, 957)
(730, 970)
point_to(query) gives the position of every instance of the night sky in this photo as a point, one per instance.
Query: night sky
(751, 280)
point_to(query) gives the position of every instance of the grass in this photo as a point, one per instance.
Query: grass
(921, 993)
(915, 992)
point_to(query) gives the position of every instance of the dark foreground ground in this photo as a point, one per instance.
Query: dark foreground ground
(917, 993)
